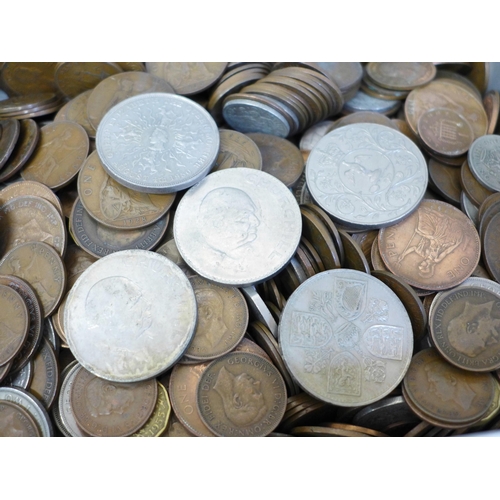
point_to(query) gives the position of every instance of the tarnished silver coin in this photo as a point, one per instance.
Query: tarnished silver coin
(346, 338)
(238, 226)
(364, 102)
(484, 161)
(130, 316)
(157, 143)
(64, 404)
(366, 175)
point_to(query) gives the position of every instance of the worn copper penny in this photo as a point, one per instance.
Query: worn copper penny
(114, 205)
(9, 132)
(76, 111)
(28, 77)
(445, 181)
(14, 323)
(103, 408)
(61, 151)
(222, 319)
(42, 268)
(15, 421)
(241, 394)
(376, 259)
(30, 218)
(237, 150)
(401, 75)
(45, 382)
(354, 256)
(435, 248)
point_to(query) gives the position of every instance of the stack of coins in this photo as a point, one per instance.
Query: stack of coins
(302, 286)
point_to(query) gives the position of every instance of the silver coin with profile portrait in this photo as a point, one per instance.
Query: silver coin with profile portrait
(238, 227)
(130, 316)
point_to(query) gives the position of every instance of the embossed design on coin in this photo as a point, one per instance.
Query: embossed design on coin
(357, 346)
(366, 175)
(15, 421)
(237, 226)
(157, 143)
(14, 322)
(484, 161)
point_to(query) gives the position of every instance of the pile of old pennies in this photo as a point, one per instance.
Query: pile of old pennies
(249, 249)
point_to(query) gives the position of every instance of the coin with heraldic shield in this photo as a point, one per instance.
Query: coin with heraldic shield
(130, 316)
(366, 175)
(157, 143)
(238, 226)
(346, 338)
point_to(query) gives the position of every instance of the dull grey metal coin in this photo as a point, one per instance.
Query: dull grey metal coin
(484, 161)
(237, 226)
(364, 102)
(64, 404)
(366, 175)
(346, 338)
(157, 143)
(130, 316)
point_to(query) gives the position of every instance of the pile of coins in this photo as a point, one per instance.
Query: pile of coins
(249, 249)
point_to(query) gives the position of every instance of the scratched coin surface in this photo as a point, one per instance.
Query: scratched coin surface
(76, 111)
(401, 75)
(346, 338)
(484, 161)
(157, 143)
(241, 394)
(366, 175)
(238, 226)
(130, 316)
(15, 421)
(435, 248)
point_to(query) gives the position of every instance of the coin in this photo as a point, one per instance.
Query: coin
(237, 226)
(445, 181)
(76, 261)
(483, 163)
(490, 242)
(130, 316)
(30, 218)
(474, 190)
(222, 320)
(76, 111)
(354, 256)
(241, 394)
(45, 382)
(28, 77)
(157, 143)
(114, 205)
(14, 323)
(237, 150)
(42, 268)
(376, 177)
(61, 151)
(102, 408)
(435, 248)
(364, 102)
(158, 421)
(346, 338)
(15, 421)
(401, 75)
(491, 104)
(258, 309)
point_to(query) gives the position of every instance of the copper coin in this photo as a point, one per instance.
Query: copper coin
(435, 248)
(103, 408)
(401, 75)
(445, 181)
(76, 111)
(371, 88)
(237, 150)
(491, 104)
(241, 394)
(42, 268)
(490, 247)
(354, 256)
(376, 259)
(474, 190)
(28, 77)
(491, 207)
(14, 323)
(60, 153)
(27, 103)
(15, 421)
(73, 78)
(45, 382)
(222, 320)
(9, 132)
(76, 261)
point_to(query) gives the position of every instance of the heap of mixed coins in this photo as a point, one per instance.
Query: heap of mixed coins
(249, 249)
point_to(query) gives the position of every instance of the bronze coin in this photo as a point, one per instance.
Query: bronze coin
(491, 208)
(99, 240)
(60, 153)
(493, 199)
(491, 104)
(28, 77)
(73, 78)
(365, 117)
(435, 248)
(170, 250)
(14, 323)
(27, 103)
(446, 181)
(42, 268)
(114, 205)
(475, 191)
(405, 129)
(103, 408)
(246, 345)
(45, 382)
(354, 256)
(34, 336)
(76, 261)
(30, 218)
(222, 320)
(15, 421)
(76, 111)
(305, 263)
(371, 88)
(376, 259)
(313, 255)
(490, 247)
(116, 88)
(401, 75)
(241, 394)
(9, 132)
(237, 150)
(132, 66)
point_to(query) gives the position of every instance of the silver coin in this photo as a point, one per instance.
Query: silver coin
(250, 116)
(365, 102)
(30, 404)
(314, 134)
(21, 378)
(50, 334)
(259, 310)
(130, 316)
(366, 175)
(237, 226)
(484, 161)
(64, 404)
(346, 338)
(157, 143)
(469, 208)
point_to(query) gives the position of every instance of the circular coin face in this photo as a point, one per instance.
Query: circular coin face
(346, 338)
(15, 421)
(483, 161)
(366, 175)
(238, 226)
(157, 143)
(241, 394)
(130, 316)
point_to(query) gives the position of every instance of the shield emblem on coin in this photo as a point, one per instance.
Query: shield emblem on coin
(344, 376)
(350, 298)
